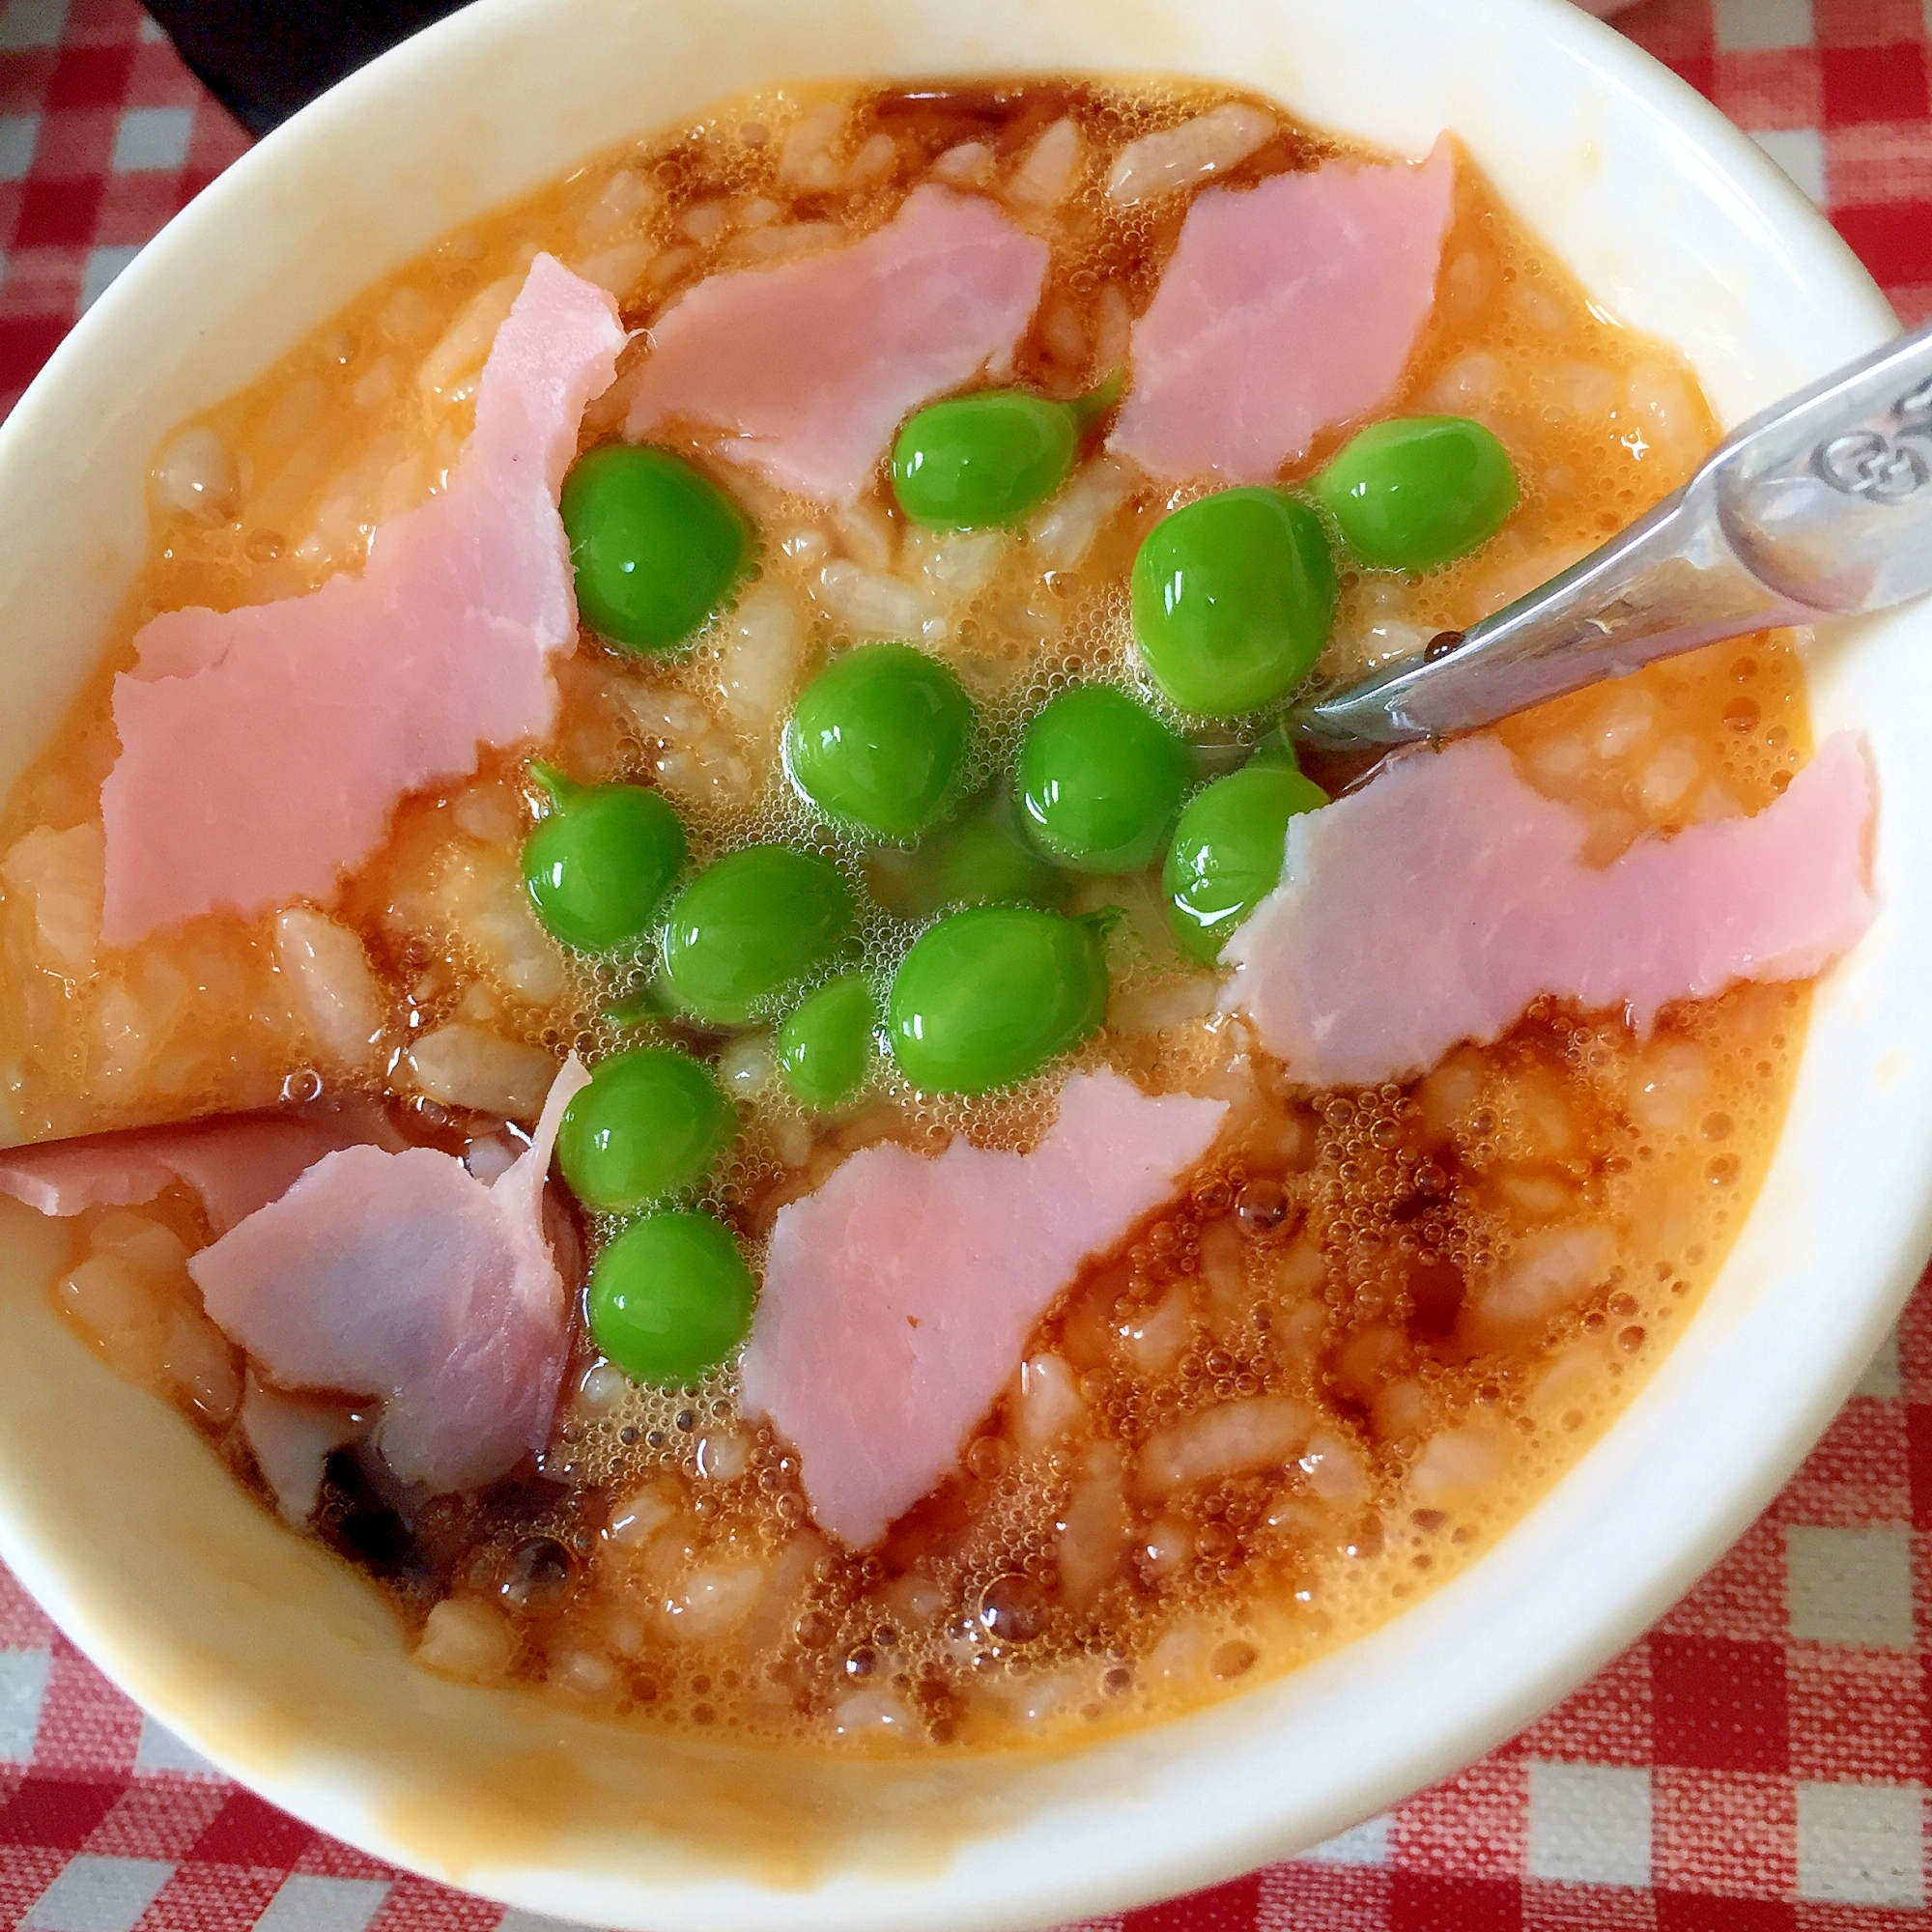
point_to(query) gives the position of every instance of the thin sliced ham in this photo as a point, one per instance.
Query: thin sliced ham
(1435, 904)
(810, 367)
(899, 1298)
(403, 1278)
(235, 1165)
(1284, 309)
(263, 749)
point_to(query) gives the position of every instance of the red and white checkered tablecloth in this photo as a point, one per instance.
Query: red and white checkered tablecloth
(1758, 1763)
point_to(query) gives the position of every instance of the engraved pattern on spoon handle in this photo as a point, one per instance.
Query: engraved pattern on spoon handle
(1830, 497)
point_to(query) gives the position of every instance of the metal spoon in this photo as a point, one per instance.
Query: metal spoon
(1819, 507)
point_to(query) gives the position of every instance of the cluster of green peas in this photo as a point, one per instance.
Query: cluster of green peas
(1233, 598)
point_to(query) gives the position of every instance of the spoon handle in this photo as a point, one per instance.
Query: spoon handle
(1820, 506)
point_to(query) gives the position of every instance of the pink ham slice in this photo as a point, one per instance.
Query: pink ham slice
(1285, 309)
(235, 1165)
(899, 1298)
(401, 1277)
(1435, 904)
(263, 749)
(809, 367)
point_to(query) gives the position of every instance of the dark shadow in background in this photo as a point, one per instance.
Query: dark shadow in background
(263, 59)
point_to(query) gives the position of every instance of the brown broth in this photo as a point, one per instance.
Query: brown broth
(1345, 1274)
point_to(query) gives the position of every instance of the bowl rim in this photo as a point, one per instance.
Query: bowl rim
(1147, 1863)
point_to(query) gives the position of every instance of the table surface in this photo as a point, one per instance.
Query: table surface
(1758, 1763)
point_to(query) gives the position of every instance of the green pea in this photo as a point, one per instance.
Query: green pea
(1100, 780)
(1233, 599)
(991, 994)
(982, 460)
(877, 739)
(981, 858)
(598, 867)
(1227, 851)
(747, 926)
(824, 1048)
(649, 1124)
(670, 1298)
(1419, 492)
(656, 544)
(985, 859)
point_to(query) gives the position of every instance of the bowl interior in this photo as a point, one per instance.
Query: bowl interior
(290, 1672)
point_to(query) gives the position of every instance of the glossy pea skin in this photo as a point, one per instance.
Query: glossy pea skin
(597, 868)
(877, 738)
(1233, 600)
(669, 1299)
(649, 1125)
(981, 461)
(991, 994)
(1419, 492)
(747, 926)
(985, 859)
(656, 545)
(981, 858)
(825, 1046)
(1100, 780)
(1227, 852)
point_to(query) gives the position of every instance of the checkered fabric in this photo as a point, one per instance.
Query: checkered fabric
(103, 136)
(1758, 1763)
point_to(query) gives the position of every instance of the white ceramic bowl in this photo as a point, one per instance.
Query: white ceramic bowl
(286, 1670)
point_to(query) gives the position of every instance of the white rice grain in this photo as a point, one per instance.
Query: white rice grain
(704, 221)
(746, 1065)
(1065, 527)
(806, 161)
(711, 1602)
(968, 165)
(878, 160)
(465, 1066)
(1459, 1464)
(759, 657)
(1469, 384)
(956, 564)
(460, 350)
(1196, 150)
(197, 1358)
(465, 1638)
(475, 897)
(1548, 1273)
(1050, 1404)
(196, 478)
(617, 270)
(868, 536)
(627, 198)
(1664, 406)
(1045, 178)
(61, 875)
(291, 1441)
(1157, 1338)
(1232, 1438)
(640, 1516)
(333, 992)
(875, 606)
(723, 1455)
(1624, 722)
(782, 240)
(1094, 1525)
(1670, 772)
(870, 1712)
